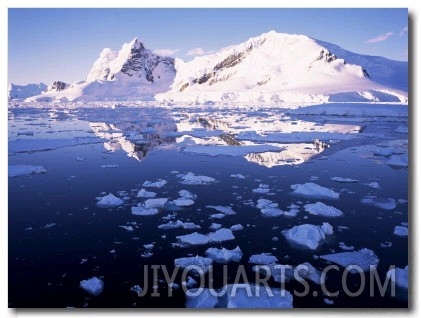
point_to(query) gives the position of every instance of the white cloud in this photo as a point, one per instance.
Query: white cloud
(403, 31)
(198, 51)
(380, 38)
(166, 52)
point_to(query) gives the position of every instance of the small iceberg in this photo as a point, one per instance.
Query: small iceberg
(308, 235)
(322, 209)
(109, 201)
(93, 286)
(313, 190)
(223, 255)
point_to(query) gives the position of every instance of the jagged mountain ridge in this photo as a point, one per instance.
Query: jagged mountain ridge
(272, 67)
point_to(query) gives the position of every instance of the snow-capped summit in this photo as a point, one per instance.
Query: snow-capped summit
(275, 67)
(133, 72)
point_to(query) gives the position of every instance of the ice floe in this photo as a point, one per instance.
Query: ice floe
(183, 202)
(109, 201)
(385, 204)
(93, 285)
(137, 289)
(128, 228)
(226, 210)
(399, 276)
(22, 170)
(364, 259)
(179, 224)
(237, 176)
(155, 203)
(32, 145)
(345, 247)
(313, 190)
(263, 259)
(141, 210)
(223, 255)
(236, 227)
(157, 184)
(187, 195)
(146, 194)
(196, 262)
(221, 235)
(195, 238)
(262, 189)
(344, 180)
(204, 298)
(192, 179)
(322, 209)
(398, 160)
(110, 166)
(400, 230)
(308, 235)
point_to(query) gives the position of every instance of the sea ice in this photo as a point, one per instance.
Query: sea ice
(322, 209)
(262, 189)
(314, 190)
(178, 224)
(155, 203)
(308, 235)
(183, 202)
(221, 235)
(236, 227)
(128, 228)
(157, 184)
(141, 210)
(399, 161)
(345, 247)
(263, 259)
(237, 176)
(202, 262)
(109, 201)
(363, 258)
(187, 195)
(193, 239)
(146, 194)
(271, 212)
(227, 210)
(110, 166)
(400, 230)
(202, 299)
(192, 179)
(21, 170)
(345, 180)
(385, 204)
(223, 255)
(399, 276)
(215, 226)
(93, 286)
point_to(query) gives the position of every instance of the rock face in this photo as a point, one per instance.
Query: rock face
(58, 86)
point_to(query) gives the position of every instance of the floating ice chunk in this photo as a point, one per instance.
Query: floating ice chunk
(262, 189)
(237, 176)
(314, 190)
(192, 179)
(155, 203)
(215, 226)
(202, 299)
(187, 195)
(193, 239)
(227, 210)
(363, 258)
(109, 201)
(221, 235)
(137, 289)
(223, 255)
(386, 244)
(307, 234)
(399, 276)
(49, 225)
(345, 247)
(263, 259)
(110, 166)
(183, 202)
(217, 216)
(236, 227)
(178, 224)
(93, 286)
(345, 180)
(373, 185)
(203, 263)
(322, 209)
(128, 228)
(146, 194)
(157, 184)
(385, 204)
(383, 151)
(399, 161)
(328, 301)
(271, 212)
(264, 203)
(22, 170)
(402, 129)
(141, 210)
(400, 230)
(254, 296)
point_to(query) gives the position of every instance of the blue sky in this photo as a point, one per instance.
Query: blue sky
(62, 44)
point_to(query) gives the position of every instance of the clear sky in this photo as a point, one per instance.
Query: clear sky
(45, 45)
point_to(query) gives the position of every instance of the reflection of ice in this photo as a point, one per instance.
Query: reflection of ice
(293, 154)
(136, 139)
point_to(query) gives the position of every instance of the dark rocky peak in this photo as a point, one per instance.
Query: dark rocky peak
(58, 86)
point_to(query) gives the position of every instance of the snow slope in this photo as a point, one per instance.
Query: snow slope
(275, 67)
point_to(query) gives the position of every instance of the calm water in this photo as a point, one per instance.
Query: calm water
(59, 237)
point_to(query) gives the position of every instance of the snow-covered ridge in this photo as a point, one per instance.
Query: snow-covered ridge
(272, 68)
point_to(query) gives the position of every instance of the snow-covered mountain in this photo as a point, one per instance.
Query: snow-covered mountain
(278, 67)
(134, 72)
(270, 68)
(21, 92)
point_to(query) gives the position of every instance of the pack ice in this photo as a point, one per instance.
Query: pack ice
(313, 190)
(322, 209)
(308, 235)
(363, 258)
